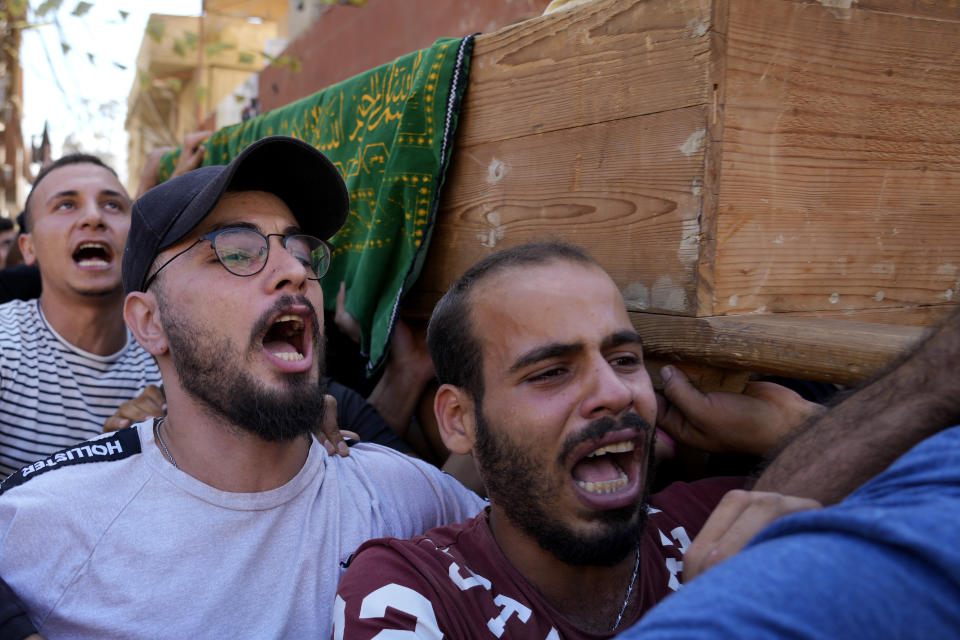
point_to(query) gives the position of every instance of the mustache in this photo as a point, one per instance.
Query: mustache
(601, 427)
(265, 321)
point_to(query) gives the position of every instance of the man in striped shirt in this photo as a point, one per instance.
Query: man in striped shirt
(67, 361)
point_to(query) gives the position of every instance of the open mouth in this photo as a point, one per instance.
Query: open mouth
(285, 338)
(93, 255)
(604, 470)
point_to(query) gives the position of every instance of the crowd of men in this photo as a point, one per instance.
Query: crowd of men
(212, 509)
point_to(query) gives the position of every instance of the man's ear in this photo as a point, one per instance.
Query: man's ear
(142, 315)
(454, 410)
(25, 242)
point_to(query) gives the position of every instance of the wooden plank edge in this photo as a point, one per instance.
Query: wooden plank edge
(713, 160)
(839, 351)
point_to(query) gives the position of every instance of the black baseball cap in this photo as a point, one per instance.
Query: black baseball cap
(293, 170)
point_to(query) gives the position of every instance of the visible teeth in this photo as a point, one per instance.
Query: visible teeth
(289, 325)
(92, 262)
(291, 318)
(617, 447)
(92, 245)
(290, 356)
(607, 486)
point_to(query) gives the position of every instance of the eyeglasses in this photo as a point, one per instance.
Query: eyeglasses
(244, 251)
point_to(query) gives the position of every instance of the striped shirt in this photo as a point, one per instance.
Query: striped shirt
(53, 394)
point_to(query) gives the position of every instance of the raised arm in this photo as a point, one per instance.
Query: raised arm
(191, 155)
(835, 452)
(863, 434)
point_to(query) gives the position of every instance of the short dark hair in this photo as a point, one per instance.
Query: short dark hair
(454, 347)
(6, 224)
(72, 158)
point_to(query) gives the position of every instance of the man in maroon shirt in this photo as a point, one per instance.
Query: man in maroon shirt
(543, 382)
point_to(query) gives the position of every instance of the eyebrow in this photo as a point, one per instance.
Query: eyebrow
(72, 193)
(545, 352)
(621, 338)
(63, 194)
(111, 192)
(287, 231)
(561, 349)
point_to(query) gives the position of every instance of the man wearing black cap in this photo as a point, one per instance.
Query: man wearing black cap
(225, 517)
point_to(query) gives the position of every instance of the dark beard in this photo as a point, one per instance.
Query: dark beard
(510, 476)
(227, 389)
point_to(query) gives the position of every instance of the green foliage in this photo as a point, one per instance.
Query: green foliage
(46, 7)
(290, 62)
(16, 14)
(214, 49)
(81, 9)
(187, 43)
(156, 30)
(16, 7)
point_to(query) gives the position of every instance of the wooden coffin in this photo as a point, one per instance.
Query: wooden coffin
(774, 185)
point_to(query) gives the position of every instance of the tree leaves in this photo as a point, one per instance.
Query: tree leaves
(16, 7)
(214, 49)
(156, 30)
(81, 9)
(46, 7)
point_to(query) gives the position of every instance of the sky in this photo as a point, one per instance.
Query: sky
(76, 95)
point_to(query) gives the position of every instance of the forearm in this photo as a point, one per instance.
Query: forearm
(871, 428)
(396, 397)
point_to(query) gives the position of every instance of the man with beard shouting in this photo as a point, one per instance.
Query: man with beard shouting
(226, 518)
(543, 381)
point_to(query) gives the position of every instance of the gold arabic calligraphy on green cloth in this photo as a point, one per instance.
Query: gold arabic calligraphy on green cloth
(390, 132)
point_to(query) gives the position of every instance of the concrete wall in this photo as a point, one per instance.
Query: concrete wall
(347, 40)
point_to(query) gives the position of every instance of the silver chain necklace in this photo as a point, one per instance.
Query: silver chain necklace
(626, 601)
(166, 452)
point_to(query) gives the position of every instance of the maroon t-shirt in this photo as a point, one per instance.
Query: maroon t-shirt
(455, 581)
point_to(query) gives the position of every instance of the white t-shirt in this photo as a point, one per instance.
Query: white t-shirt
(53, 394)
(110, 540)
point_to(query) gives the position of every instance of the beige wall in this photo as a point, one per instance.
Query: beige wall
(172, 105)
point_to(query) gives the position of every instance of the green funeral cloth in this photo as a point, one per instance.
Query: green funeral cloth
(390, 132)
